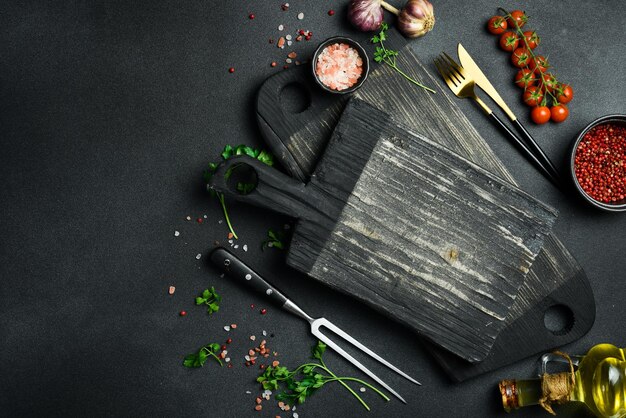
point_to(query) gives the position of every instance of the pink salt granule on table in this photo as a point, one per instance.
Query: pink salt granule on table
(339, 66)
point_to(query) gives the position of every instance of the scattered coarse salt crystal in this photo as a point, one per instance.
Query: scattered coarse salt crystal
(226, 328)
(219, 222)
(362, 389)
(288, 37)
(248, 392)
(264, 333)
(245, 247)
(289, 43)
(252, 337)
(188, 218)
(176, 233)
(300, 16)
(288, 61)
(281, 27)
(295, 414)
(171, 290)
(293, 409)
(236, 246)
(204, 216)
(270, 244)
(247, 357)
(267, 392)
(198, 256)
(227, 359)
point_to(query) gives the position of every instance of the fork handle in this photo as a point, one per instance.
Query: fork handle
(238, 270)
(530, 141)
(540, 165)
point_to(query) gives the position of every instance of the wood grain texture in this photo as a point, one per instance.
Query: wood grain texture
(410, 228)
(424, 236)
(554, 271)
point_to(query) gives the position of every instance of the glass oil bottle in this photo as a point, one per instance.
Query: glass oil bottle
(599, 381)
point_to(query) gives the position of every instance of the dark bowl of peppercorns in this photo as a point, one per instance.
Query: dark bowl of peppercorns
(598, 163)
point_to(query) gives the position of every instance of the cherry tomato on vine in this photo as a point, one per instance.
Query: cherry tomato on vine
(520, 58)
(559, 113)
(532, 39)
(525, 78)
(564, 93)
(547, 82)
(540, 63)
(533, 96)
(509, 41)
(519, 17)
(497, 25)
(540, 114)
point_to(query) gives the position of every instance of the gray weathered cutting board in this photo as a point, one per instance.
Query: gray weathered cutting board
(412, 229)
(555, 279)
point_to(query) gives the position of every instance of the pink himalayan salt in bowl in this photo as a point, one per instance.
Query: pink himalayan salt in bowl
(340, 65)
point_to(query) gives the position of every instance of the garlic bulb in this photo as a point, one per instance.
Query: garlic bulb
(416, 18)
(365, 15)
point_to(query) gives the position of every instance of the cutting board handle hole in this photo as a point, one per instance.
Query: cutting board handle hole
(559, 319)
(242, 178)
(295, 98)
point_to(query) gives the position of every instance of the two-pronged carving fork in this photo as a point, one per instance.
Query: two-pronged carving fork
(236, 269)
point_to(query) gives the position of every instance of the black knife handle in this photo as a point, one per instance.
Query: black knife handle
(541, 166)
(530, 141)
(238, 270)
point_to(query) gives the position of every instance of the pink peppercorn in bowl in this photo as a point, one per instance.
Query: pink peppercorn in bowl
(598, 163)
(340, 65)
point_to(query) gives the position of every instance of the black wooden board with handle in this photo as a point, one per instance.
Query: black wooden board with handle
(555, 279)
(408, 227)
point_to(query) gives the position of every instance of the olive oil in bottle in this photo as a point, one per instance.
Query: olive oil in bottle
(599, 382)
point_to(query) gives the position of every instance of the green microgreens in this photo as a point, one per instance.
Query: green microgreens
(388, 56)
(198, 359)
(211, 299)
(299, 384)
(242, 187)
(532, 57)
(275, 240)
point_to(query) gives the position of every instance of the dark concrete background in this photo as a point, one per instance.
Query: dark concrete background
(109, 113)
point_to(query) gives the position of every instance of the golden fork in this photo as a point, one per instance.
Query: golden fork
(462, 85)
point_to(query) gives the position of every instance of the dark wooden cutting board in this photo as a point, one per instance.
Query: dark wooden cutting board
(408, 227)
(555, 281)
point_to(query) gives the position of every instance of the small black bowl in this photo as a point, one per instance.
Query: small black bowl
(353, 44)
(619, 206)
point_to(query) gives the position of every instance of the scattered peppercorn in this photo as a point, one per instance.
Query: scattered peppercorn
(263, 311)
(273, 64)
(183, 313)
(200, 220)
(251, 16)
(231, 70)
(228, 341)
(331, 12)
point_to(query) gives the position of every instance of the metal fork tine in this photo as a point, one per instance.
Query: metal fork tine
(334, 328)
(452, 75)
(356, 363)
(444, 73)
(456, 66)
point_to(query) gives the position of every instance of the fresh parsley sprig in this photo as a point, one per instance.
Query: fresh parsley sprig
(242, 187)
(275, 240)
(302, 382)
(211, 299)
(388, 56)
(198, 359)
